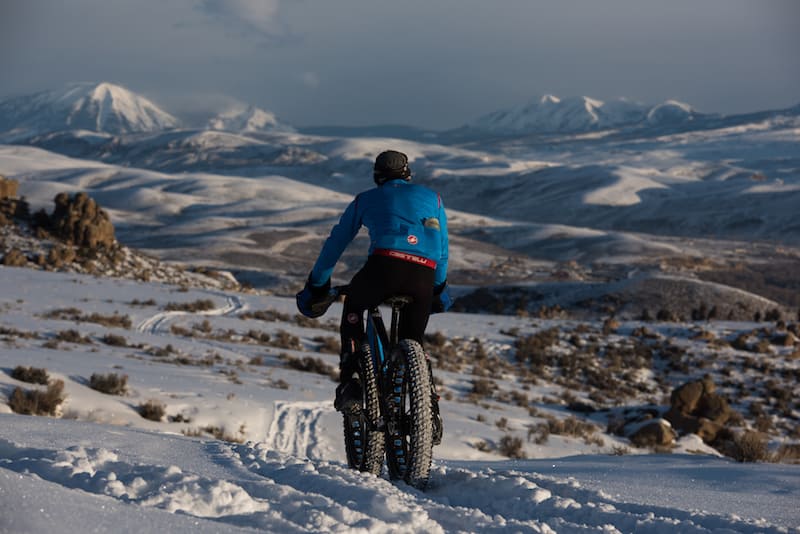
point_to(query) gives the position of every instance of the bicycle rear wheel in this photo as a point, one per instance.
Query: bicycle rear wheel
(364, 445)
(409, 436)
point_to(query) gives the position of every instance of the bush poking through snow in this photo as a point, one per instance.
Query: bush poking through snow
(750, 446)
(309, 364)
(114, 340)
(196, 306)
(32, 375)
(110, 384)
(152, 410)
(37, 401)
(511, 446)
(73, 336)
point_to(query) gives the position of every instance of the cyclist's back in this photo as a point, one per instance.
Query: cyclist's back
(408, 256)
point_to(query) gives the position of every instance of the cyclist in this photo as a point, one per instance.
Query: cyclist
(407, 255)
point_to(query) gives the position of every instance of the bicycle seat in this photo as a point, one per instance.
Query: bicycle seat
(399, 300)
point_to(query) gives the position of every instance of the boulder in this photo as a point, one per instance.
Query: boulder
(78, 220)
(8, 187)
(696, 408)
(657, 433)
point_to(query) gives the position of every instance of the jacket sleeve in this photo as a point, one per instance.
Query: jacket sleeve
(341, 236)
(441, 265)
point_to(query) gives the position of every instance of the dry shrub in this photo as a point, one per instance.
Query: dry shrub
(749, 446)
(73, 336)
(511, 446)
(483, 387)
(328, 344)
(195, 306)
(37, 401)
(285, 340)
(266, 315)
(571, 426)
(152, 410)
(114, 340)
(32, 375)
(308, 364)
(75, 315)
(111, 383)
(788, 453)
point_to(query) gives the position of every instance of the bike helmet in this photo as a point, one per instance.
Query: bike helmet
(391, 165)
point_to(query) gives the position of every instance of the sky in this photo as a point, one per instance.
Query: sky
(426, 63)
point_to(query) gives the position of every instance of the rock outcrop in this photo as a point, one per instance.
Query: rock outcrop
(696, 408)
(10, 206)
(8, 188)
(79, 221)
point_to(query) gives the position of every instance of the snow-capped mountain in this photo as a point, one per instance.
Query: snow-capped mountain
(98, 107)
(551, 114)
(248, 119)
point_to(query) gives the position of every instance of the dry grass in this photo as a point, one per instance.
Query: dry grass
(111, 383)
(114, 340)
(76, 315)
(37, 401)
(511, 446)
(194, 306)
(152, 410)
(73, 336)
(32, 375)
(309, 364)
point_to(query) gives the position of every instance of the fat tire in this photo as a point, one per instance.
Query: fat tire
(409, 439)
(364, 445)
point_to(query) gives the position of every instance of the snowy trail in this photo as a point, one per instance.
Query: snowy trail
(260, 486)
(157, 323)
(294, 429)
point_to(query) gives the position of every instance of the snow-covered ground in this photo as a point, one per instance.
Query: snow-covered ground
(280, 465)
(617, 200)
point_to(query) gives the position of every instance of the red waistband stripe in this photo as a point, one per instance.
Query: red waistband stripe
(405, 256)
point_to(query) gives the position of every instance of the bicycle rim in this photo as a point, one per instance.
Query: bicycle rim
(363, 445)
(409, 438)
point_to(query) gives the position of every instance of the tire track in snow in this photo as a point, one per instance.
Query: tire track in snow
(480, 500)
(295, 428)
(157, 323)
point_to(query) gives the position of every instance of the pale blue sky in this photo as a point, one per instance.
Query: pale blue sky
(431, 63)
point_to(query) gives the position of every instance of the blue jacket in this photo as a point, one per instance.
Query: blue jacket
(400, 216)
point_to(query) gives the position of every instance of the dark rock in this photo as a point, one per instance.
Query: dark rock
(8, 187)
(657, 433)
(79, 221)
(696, 408)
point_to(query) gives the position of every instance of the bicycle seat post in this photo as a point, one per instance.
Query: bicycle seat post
(397, 302)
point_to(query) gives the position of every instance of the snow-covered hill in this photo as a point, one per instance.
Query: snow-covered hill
(248, 119)
(101, 107)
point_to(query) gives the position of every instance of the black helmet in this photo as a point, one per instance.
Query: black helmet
(391, 165)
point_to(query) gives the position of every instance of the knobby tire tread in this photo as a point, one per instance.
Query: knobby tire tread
(416, 418)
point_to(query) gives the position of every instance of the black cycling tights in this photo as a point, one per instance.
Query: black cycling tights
(380, 278)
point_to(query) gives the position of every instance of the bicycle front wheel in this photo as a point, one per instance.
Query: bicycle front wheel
(409, 436)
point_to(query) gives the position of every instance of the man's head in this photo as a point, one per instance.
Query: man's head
(391, 165)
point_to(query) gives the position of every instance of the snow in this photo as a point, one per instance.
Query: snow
(104, 466)
(551, 114)
(101, 107)
(250, 444)
(248, 119)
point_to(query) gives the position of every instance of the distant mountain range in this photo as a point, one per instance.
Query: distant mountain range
(106, 108)
(551, 114)
(111, 109)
